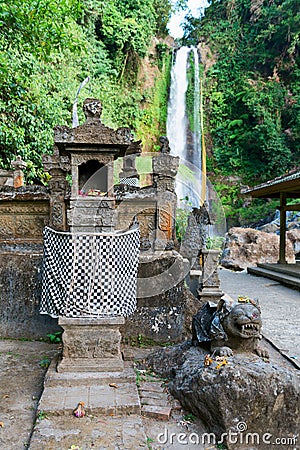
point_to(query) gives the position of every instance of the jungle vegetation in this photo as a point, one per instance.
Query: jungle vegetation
(252, 93)
(48, 48)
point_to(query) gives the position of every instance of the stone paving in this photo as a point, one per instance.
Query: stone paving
(118, 417)
(280, 307)
(92, 432)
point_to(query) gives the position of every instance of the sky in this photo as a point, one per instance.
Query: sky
(174, 23)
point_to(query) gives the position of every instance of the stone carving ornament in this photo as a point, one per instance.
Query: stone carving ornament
(229, 326)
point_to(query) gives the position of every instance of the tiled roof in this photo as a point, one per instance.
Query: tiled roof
(289, 183)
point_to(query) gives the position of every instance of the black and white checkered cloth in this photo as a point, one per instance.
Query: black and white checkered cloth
(89, 274)
(130, 181)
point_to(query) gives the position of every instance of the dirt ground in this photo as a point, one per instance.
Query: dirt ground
(22, 369)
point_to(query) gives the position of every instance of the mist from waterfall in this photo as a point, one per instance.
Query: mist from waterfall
(185, 138)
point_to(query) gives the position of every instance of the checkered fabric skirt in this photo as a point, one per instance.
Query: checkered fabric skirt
(89, 274)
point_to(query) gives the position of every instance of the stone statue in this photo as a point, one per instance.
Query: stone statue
(229, 326)
(164, 144)
(92, 109)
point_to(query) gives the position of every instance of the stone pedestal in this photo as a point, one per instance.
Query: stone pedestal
(91, 344)
(210, 289)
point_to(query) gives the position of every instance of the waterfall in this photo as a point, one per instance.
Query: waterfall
(176, 119)
(185, 137)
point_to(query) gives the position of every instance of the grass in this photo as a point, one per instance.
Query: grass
(149, 442)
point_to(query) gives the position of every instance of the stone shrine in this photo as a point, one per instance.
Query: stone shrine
(88, 151)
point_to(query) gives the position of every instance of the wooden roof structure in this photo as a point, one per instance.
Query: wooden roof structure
(284, 188)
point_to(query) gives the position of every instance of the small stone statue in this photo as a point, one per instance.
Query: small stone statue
(18, 166)
(92, 108)
(164, 144)
(229, 326)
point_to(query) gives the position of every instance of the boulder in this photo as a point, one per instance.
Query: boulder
(246, 403)
(294, 236)
(246, 247)
(165, 307)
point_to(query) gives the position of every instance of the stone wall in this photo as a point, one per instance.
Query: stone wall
(23, 214)
(20, 287)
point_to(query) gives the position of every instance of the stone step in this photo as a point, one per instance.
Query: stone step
(288, 280)
(157, 412)
(99, 433)
(56, 379)
(161, 396)
(152, 386)
(288, 269)
(98, 399)
(155, 400)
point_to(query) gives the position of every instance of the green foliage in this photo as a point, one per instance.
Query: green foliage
(234, 205)
(181, 222)
(252, 104)
(41, 415)
(152, 118)
(149, 441)
(257, 210)
(215, 243)
(48, 48)
(54, 338)
(44, 363)
(189, 417)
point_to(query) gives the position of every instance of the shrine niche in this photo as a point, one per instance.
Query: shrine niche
(92, 178)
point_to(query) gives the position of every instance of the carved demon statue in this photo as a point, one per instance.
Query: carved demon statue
(229, 326)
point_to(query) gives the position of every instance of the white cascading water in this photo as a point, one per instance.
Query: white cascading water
(176, 119)
(188, 185)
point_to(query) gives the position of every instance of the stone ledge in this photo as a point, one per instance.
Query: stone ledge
(97, 399)
(66, 379)
(91, 321)
(75, 365)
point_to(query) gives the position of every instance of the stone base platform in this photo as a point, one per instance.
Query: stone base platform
(91, 344)
(63, 391)
(90, 370)
(109, 433)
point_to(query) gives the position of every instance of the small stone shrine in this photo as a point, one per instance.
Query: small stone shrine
(89, 273)
(88, 151)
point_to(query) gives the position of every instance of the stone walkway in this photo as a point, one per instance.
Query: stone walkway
(21, 374)
(280, 309)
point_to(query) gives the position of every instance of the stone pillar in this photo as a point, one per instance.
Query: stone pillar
(165, 168)
(57, 166)
(18, 166)
(210, 282)
(195, 238)
(282, 237)
(91, 344)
